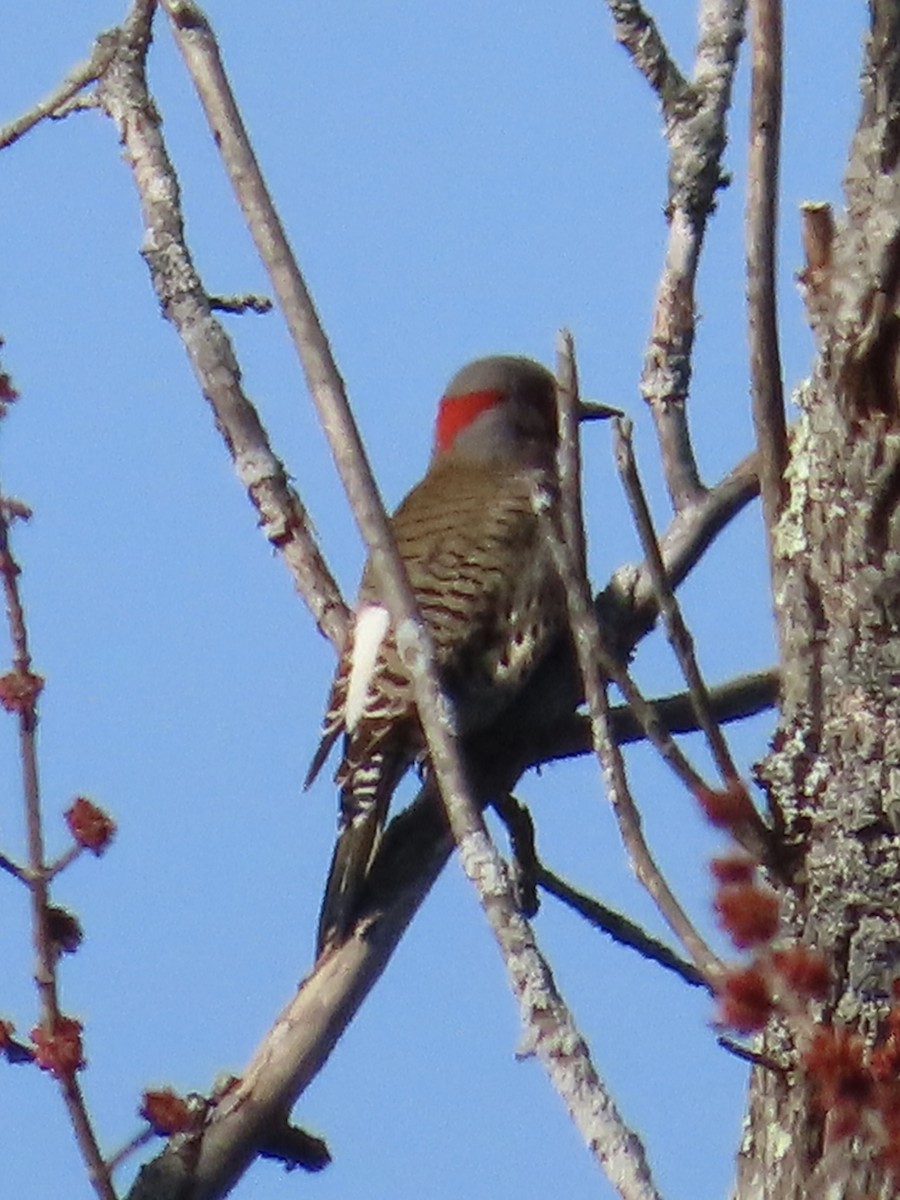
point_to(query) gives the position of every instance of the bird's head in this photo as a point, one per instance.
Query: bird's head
(502, 409)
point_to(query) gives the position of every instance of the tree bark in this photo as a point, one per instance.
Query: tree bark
(832, 777)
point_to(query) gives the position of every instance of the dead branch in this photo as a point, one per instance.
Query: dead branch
(636, 30)
(59, 101)
(123, 95)
(695, 132)
(200, 52)
(735, 701)
(762, 224)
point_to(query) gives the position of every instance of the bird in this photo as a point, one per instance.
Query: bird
(470, 537)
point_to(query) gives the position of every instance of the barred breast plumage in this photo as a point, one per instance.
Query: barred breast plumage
(471, 542)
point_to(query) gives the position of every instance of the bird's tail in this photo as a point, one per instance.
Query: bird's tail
(364, 804)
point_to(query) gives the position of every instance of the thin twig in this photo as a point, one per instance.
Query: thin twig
(60, 98)
(45, 968)
(748, 1055)
(12, 868)
(123, 95)
(241, 304)
(131, 1147)
(736, 700)
(593, 659)
(762, 228)
(65, 859)
(679, 636)
(620, 928)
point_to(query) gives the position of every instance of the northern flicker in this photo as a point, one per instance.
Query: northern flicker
(486, 587)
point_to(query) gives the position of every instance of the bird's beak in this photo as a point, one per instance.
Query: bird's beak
(592, 410)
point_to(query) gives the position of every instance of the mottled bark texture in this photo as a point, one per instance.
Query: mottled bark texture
(833, 776)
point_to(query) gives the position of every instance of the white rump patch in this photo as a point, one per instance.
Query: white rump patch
(368, 634)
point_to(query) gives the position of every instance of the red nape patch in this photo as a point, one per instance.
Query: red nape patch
(456, 412)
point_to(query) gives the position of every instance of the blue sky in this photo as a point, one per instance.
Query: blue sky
(456, 180)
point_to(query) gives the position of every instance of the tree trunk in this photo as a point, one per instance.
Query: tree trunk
(833, 776)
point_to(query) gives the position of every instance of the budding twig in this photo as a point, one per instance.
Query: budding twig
(36, 878)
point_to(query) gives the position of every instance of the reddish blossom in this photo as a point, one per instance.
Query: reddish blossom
(59, 1050)
(6, 1031)
(748, 913)
(836, 1064)
(883, 1067)
(885, 1062)
(805, 971)
(64, 930)
(889, 1106)
(745, 1001)
(844, 1121)
(19, 690)
(733, 868)
(729, 808)
(89, 825)
(166, 1111)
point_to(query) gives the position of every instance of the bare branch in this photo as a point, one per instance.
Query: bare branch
(65, 860)
(123, 95)
(746, 1054)
(630, 595)
(60, 99)
(734, 701)
(619, 928)
(200, 52)
(131, 1147)
(636, 30)
(414, 851)
(568, 459)
(696, 139)
(762, 224)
